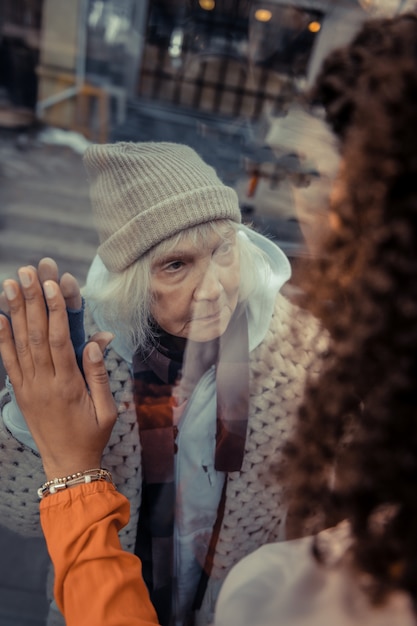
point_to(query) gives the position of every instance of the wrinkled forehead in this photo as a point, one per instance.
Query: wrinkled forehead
(203, 236)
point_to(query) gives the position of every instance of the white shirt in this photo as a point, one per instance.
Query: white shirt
(282, 584)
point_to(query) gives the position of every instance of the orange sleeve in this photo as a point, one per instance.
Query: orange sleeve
(97, 583)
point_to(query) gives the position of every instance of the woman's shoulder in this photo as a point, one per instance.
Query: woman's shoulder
(284, 583)
(252, 590)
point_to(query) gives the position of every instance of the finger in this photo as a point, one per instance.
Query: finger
(71, 291)
(4, 306)
(8, 352)
(98, 383)
(17, 311)
(48, 270)
(36, 317)
(102, 338)
(60, 345)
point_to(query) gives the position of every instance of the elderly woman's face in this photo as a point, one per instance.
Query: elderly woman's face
(196, 287)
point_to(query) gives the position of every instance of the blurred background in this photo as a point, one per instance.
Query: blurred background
(223, 76)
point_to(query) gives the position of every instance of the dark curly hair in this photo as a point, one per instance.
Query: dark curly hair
(363, 287)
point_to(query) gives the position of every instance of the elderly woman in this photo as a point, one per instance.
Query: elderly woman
(203, 368)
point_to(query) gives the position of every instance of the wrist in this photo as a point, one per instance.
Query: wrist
(78, 478)
(58, 469)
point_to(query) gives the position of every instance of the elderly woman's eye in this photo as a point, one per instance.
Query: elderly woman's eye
(225, 248)
(174, 266)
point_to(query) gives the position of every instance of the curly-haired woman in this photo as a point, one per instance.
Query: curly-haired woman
(363, 287)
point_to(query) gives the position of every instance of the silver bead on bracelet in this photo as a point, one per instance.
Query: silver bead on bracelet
(88, 476)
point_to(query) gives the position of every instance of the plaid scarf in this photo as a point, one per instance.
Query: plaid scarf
(160, 384)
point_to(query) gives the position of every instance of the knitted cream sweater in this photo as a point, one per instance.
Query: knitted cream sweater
(254, 510)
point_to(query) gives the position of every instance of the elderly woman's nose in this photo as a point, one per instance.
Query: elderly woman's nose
(208, 285)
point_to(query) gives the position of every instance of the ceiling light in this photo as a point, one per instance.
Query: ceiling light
(207, 5)
(314, 27)
(263, 15)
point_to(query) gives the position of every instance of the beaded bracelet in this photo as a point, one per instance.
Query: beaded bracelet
(88, 476)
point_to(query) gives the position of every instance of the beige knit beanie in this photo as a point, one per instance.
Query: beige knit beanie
(143, 193)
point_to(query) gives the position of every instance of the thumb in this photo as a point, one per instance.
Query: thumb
(103, 338)
(98, 383)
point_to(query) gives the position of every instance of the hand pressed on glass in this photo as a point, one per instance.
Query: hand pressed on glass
(40, 360)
